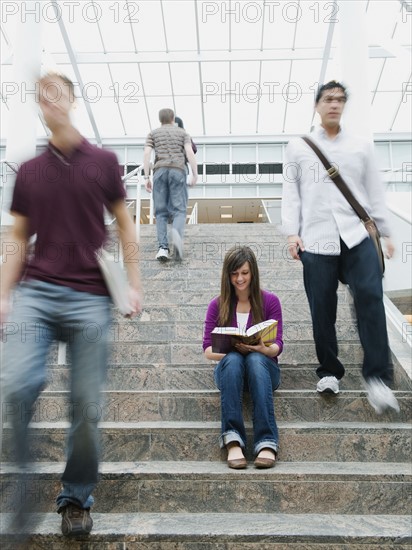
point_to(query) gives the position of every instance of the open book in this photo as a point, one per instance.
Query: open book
(225, 338)
(116, 281)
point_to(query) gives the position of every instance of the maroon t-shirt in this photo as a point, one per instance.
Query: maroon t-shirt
(64, 199)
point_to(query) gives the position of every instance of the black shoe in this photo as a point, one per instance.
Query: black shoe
(75, 521)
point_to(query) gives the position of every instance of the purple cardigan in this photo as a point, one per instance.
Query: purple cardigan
(271, 310)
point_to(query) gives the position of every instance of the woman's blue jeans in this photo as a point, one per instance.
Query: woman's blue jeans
(261, 377)
(43, 313)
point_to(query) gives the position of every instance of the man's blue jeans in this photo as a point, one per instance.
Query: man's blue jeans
(359, 268)
(261, 377)
(44, 313)
(170, 201)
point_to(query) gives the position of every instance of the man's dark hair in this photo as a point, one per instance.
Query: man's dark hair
(330, 86)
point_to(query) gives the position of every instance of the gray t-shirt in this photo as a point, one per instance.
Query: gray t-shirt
(169, 142)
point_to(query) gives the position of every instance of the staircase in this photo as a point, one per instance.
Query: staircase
(343, 476)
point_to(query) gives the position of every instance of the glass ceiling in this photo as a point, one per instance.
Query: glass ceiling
(227, 68)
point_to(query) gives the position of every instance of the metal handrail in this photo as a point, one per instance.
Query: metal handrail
(133, 173)
(193, 216)
(9, 164)
(266, 211)
(136, 172)
(400, 214)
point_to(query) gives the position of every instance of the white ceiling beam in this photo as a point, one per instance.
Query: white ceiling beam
(209, 56)
(272, 139)
(326, 55)
(131, 26)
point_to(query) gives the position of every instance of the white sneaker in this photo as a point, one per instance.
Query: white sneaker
(380, 396)
(328, 384)
(177, 245)
(162, 255)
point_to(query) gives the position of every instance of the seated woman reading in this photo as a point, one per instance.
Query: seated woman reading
(255, 368)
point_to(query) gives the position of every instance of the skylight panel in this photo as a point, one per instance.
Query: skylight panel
(271, 113)
(185, 78)
(313, 20)
(147, 26)
(96, 81)
(382, 16)
(106, 112)
(384, 110)
(247, 21)
(299, 115)
(402, 122)
(115, 24)
(135, 119)
(217, 116)
(189, 109)
(213, 22)
(304, 78)
(127, 84)
(245, 79)
(179, 17)
(156, 79)
(82, 28)
(243, 114)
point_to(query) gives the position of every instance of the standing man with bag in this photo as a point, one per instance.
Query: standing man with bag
(326, 234)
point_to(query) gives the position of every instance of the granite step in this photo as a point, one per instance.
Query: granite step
(200, 377)
(204, 487)
(126, 330)
(204, 406)
(230, 531)
(188, 441)
(180, 352)
(156, 310)
(179, 295)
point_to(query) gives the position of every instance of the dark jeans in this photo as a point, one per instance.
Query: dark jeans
(357, 267)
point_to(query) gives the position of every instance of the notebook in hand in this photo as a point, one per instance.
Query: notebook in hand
(116, 281)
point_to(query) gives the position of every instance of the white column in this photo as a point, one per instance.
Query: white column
(354, 61)
(23, 105)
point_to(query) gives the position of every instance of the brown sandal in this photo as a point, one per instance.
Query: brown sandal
(264, 462)
(237, 463)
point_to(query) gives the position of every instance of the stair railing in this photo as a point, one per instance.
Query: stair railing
(193, 216)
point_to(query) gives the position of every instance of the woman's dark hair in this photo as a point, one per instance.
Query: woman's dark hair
(234, 259)
(179, 121)
(330, 86)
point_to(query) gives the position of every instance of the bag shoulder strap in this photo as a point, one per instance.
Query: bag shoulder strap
(334, 175)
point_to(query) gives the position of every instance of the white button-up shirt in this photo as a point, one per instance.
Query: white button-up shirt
(312, 205)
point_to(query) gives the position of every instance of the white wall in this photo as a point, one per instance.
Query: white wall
(398, 275)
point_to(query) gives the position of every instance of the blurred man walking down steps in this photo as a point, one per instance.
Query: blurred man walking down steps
(325, 233)
(60, 292)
